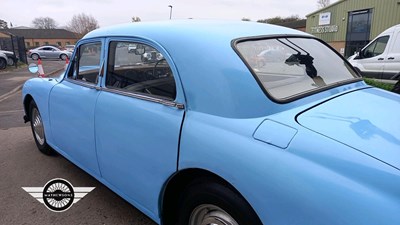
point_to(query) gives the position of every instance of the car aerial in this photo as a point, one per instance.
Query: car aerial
(11, 58)
(69, 48)
(48, 52)
(191, 129)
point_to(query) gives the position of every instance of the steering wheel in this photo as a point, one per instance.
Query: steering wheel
(155, 67)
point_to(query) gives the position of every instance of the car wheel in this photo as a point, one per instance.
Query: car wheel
(3, 63)
(38, 129)
(63, 57)
(214, 203)
(10, 62)
(35, 56)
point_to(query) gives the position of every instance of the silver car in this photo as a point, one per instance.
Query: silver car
(48, 52)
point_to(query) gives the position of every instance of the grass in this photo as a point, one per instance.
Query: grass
(378, 84)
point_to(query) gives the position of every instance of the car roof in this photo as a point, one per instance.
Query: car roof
(195, 29)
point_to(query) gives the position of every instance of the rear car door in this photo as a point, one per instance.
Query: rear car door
(72, 104)
(138, 119)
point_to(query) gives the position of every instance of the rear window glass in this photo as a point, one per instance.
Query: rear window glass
(290, 67)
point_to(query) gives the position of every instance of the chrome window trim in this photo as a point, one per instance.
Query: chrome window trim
(83, 83)
(144, 97)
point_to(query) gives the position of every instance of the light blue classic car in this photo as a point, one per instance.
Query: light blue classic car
(224, 123)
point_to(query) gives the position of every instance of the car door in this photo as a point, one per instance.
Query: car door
(53, 53)
(46, 52)
(392, 60)
(372, 58)
(72, 104)
(138, 119)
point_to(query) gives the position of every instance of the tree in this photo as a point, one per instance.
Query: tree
(323, 3)
(82, 24)
(136, 19)
(278, 19)
(3, 24)
(246, 19)
(44, 23)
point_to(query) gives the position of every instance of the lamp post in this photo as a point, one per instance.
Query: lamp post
(170, 11)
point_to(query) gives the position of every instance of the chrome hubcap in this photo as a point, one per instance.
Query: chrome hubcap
(38, 128)
(208, 214)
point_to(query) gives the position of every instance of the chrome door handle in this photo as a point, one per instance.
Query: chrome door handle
(391, 58)
(380, 58)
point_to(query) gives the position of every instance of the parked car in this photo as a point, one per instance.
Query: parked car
(48, 52)
(70, 48)
(381, 57)
(203, 135)
(11, 58)
(3, 60)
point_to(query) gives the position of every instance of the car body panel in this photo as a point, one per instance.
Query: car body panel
(144, 138)
(275, 181)
(72, 108)
(365, 127)
(289, 172)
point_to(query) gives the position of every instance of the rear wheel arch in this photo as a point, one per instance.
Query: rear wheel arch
(169, 204)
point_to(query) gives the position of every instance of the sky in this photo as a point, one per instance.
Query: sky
(111, 12)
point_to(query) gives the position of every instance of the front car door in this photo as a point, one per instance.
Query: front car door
(138, 119)
(372, 58)
(72, 104)
(392, 60)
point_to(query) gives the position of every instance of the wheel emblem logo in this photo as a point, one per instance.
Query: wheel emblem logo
(58, 195)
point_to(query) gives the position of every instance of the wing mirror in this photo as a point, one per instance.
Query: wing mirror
(358, 55)
(33, 68)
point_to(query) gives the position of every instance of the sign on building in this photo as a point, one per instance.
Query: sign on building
(324, 18)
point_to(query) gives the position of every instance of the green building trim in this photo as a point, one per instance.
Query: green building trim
(385, 13)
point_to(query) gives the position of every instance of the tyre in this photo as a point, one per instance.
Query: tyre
(3, 63)
(206, 202)
(35, 56)
(63, 57)
(10, 62)
(38, 129)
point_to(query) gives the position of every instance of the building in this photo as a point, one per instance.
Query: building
(38, 37)
(298, 24)
(348, 25)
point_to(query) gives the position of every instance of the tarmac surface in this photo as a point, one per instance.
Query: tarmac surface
(22, 165)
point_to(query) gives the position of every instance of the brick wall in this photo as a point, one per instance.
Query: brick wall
(32, 42)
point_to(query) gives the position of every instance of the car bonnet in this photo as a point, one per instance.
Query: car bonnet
(367, 120)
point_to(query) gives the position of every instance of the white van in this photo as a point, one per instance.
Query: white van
(381, 57)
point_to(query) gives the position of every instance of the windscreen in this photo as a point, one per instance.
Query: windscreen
(290, 67)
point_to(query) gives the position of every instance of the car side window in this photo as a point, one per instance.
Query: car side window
(141, 69)
(86, 66)
(376, 48)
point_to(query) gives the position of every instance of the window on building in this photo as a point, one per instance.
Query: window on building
(67, 43)
(37, 44)
(59, 43)
(27, 44)
(358, 30)
(46, 43)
